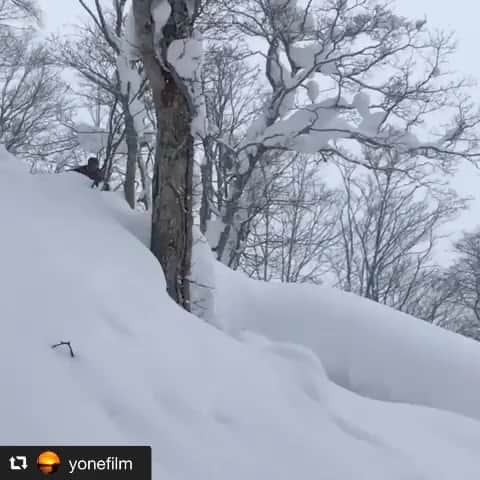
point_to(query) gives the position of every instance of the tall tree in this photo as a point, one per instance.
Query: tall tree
(296, 228)
(105, 59)
(34, 99)
(171, 57)
(390, 226)
(464, 281)
(324, 66)
(233, 94)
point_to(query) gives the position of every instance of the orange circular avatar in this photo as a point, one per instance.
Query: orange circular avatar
(48, 462)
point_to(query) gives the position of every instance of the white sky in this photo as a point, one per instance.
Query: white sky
(460, 16)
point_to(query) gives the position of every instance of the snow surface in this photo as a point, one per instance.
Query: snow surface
(212, 406)
(365, 347)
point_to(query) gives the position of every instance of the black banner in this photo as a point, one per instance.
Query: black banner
(75, 463)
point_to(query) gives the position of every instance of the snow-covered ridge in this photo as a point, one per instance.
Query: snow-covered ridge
(365, 347)
(145, 372)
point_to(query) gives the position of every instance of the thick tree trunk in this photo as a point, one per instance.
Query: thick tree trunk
(172, 191)
(172, 187)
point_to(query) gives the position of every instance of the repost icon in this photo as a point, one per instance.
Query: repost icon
(18, 463)
(48, 462)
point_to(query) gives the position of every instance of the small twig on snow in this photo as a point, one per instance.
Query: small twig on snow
(65, 344)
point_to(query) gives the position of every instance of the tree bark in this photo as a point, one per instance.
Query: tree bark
(172, 191)
(146, 184)
(131, 138)
(172, 187)
(205, 209)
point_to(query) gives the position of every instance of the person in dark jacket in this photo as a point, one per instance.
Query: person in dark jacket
(91, 170)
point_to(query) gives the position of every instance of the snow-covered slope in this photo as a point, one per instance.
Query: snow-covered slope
(212, 406)
(365, 347)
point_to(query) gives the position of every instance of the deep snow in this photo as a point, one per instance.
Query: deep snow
(213, 406)
(365, 347)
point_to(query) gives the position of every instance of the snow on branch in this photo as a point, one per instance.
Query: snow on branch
(354, 70)
(340, 75)
(186, 57)
(179, 51)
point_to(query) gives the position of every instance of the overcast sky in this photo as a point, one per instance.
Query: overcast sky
(460, 16)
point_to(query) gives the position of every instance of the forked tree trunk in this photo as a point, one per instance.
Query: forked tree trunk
(172, 219)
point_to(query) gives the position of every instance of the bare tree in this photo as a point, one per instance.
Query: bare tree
(293, 233)
(232, 97)
(324, 64)
(34, 101)
(106, 60)
(464, 282)
(171, 56)
(389, 228)
(18, 13)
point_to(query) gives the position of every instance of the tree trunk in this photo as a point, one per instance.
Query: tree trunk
(131, 138)
(234, 227)
(205, 208)
(146, 184)
(233, 212)
(172, 187)
(172, 191)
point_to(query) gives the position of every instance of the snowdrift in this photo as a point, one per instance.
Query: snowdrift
(365, 347)
(145, 372)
